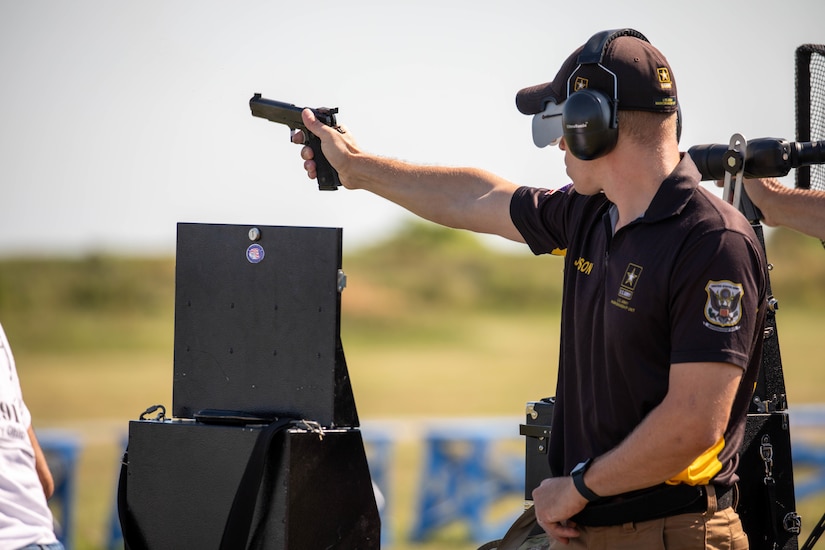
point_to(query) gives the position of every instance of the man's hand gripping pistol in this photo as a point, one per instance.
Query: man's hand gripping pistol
(286, 113)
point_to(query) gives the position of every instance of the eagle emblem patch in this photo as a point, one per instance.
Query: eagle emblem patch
(723, 309)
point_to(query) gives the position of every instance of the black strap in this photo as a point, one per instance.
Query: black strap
(132, 535)
(239, 522)
(770, 488)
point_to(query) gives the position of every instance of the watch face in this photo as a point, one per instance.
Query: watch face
(581, 466)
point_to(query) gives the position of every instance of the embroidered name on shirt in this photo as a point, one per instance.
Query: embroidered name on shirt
(584, 266)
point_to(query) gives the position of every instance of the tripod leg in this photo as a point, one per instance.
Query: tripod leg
(815, 534)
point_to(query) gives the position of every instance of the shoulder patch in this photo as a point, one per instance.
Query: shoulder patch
(723, 309)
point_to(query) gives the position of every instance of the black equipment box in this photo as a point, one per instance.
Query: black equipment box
(539, 417)
(316, 492)
(264, 445)
(257, 323)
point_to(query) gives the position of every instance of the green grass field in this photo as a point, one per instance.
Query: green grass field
(433, 325)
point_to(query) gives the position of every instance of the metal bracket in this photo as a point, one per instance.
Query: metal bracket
(734, 164)
(312, 427)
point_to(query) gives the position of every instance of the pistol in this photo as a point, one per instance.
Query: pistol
(286, 113)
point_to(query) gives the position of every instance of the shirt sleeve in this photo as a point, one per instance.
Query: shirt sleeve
(539, 215)
(717, 303)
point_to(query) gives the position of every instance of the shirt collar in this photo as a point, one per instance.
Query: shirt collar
(675, 192)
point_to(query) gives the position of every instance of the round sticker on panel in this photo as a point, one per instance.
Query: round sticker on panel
(255, 253)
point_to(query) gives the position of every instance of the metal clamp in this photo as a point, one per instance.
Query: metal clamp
(313, 427)
(734, 163)
(766, 452)
(792, 523)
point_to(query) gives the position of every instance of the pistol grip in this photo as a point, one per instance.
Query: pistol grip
(327, 176)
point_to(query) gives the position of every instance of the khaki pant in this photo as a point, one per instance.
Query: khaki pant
(710, 530)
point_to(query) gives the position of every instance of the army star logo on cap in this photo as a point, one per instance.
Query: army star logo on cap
(664, 78)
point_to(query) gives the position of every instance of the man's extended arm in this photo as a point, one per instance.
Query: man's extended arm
(463, 198)
(799, 209)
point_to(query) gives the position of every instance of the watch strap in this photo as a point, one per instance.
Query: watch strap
(578, 481)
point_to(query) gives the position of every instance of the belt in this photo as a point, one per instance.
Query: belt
(658, 502)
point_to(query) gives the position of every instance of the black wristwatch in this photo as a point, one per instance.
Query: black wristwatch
(578, 480)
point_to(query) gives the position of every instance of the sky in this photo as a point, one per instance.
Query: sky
(120, 119)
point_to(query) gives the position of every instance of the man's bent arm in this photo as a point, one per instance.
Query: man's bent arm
(690, 420)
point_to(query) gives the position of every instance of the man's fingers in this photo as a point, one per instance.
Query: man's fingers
(309, 166)
(562, 532)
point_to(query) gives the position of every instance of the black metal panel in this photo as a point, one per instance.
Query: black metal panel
(316, 493)
(257, 322)
(767, 504)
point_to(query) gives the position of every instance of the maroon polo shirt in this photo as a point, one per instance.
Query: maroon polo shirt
(686, 282)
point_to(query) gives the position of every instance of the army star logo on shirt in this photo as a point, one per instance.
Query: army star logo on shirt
(627, 287)
(631, 276)
(723, 309)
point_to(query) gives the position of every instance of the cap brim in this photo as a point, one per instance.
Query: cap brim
(532, 100)
(547, 125)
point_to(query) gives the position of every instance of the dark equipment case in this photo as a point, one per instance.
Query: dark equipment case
(265, 430)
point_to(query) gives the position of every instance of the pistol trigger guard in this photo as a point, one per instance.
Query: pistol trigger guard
(294, 132)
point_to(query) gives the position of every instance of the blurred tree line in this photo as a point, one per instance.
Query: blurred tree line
(107, 302)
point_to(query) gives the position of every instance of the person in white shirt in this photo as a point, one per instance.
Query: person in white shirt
(26, 483)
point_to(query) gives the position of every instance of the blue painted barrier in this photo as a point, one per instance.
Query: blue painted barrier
(465, 473)
(379, 440)
(808, 453)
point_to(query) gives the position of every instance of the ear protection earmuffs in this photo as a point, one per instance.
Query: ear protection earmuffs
(590, 125)
(590, 117)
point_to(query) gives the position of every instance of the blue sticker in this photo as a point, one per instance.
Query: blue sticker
(255, 253)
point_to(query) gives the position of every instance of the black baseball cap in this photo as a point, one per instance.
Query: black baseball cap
(630, 69)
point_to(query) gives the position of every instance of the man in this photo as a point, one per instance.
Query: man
(663, 307)
(25, 480)
(802, 210)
